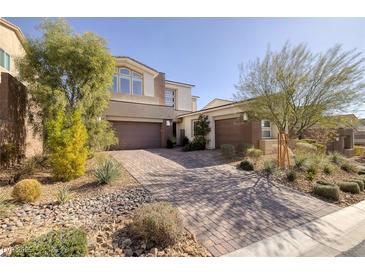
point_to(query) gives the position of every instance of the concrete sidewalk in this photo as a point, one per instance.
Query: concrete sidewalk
(330, 235)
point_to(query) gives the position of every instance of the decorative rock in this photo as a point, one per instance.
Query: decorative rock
(154, 251)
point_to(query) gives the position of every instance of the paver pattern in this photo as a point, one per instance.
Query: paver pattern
(226, 208)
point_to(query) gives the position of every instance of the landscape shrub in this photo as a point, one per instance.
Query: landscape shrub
(360, 183)
(245, 147)
(291, 175)
(310, 176)
(336, 158)
(63, 195)
(254, 154)
(327, 169)
(328, 191)
(300, 162)
(359, 150)
(228, 151)
(5, 206)
(312, 168)
(270, 166)
(351, 187)
(67, 146)
(71, 242)
(27, 191)
(159, 223)
(169, 144)
(198, 143)
(246, 165)
(325, 183)
(185, 141)
(107, 170)
(305, 148)
(320, 148)
(307, 140)
(346, 166)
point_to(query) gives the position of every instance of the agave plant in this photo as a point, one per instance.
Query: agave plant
(107, 171)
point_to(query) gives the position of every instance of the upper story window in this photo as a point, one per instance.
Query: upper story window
(266, 131)
(127, 81)
(169, 97)
(4, 59)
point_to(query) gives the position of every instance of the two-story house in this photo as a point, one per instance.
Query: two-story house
(144, 105)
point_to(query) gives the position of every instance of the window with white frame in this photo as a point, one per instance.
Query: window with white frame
(4, 59)
(266, 131)
(127, 81)
(169, 97)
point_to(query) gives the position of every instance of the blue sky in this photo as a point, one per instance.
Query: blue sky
(207, 51)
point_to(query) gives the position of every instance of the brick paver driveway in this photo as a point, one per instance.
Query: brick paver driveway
(226, 208)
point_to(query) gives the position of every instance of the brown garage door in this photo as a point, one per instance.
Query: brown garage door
(235, 132)
(134, 135)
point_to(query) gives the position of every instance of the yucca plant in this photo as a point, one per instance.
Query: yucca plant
(107, 171)
(63, 195)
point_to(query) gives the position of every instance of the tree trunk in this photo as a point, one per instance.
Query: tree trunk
(283, 150)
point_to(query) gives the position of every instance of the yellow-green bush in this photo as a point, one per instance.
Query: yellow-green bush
(305, 148)
(67, 146)
(27, 191)
(359, 150)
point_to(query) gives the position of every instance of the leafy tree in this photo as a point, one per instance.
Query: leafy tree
(201, 129)
(66, 142)
(68, 71)
(296, 89)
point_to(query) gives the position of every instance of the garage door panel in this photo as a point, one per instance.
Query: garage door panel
(137, 135)
(232, 131)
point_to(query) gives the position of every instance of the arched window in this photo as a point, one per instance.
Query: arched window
(127, 81)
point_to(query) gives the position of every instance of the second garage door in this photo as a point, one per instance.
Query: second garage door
(136, 135)
(232, 131)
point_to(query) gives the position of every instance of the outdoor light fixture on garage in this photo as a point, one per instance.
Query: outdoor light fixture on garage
(244, 116)
(168, 123)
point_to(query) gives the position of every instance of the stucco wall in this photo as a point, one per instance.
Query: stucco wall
(182, 96)
(194, 105)
(10, 43)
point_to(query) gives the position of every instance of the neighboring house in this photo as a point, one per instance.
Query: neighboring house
(230, 125)
(15, 132)
(144, 105)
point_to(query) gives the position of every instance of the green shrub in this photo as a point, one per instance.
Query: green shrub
(198, 143)
(328, 191)
(67, 145)
(254, 153)
(270, 166)
(320, 148)
(359, 150)
(327, 169)
(305, 148)
(336, 158)
(245, 147)
(309, 141)
(63, 195)
(310, 176)
(159, 223)
(360, 183)
(300, 162)
(5, 206)
(246, 165)
(107, 171)
(291, 175)
(185, 141)
(350, 187)
(69, 242)
(346, 166)
(169, 144)
(27, 191)
(312, 168)
(228, 151)
(326, 183)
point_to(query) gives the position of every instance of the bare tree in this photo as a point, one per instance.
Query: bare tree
(296, 89)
